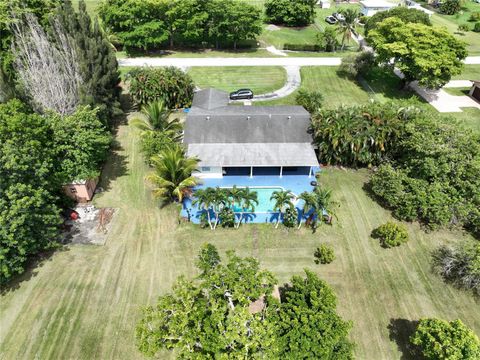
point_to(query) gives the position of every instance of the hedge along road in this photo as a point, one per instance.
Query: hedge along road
(290, 61)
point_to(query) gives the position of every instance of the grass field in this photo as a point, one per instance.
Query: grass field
(470, 117)
(457, 91)
(260, 79)
(84, 302)
(470, 72)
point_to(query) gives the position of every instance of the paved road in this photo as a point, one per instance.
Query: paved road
(285, 61)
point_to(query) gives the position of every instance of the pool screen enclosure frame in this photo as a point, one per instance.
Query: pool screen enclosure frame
(267, 170)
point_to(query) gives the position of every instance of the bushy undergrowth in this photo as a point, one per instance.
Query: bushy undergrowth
(391, 234)
(324, 254)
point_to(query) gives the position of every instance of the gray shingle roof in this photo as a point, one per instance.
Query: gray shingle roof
(254, 154)
(210, 99)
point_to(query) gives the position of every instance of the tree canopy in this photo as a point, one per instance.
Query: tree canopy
(407, 15)
(229, 311)
(290, 12)
(156, 24)
(441, 340)
(425, 53)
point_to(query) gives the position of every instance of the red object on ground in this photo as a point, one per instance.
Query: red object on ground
(74, 215)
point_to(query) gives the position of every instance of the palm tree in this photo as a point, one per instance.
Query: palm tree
(220, 199)
(320, 203)
(156, 117)
(204, 200)
(236, 195)
(247, 203)
(283, 199)
(348, 25)
(172, 174)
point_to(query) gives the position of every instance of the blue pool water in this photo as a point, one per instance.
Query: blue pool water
(263, 196)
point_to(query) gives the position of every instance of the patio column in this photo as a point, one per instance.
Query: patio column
(251, 171)
(281, 171)
(310, 172)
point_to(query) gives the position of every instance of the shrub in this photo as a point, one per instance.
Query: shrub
(476, 27)
(327, 39)
(459, 265)
(290, 217)
(324, 254)
(169, 84)
(450, 7)
(360, 64)
(439, 339)
(310, 100)
(391, 234)
(301, 47)
(475, 16)
(227, 217)
(290, 12)
(463, 27)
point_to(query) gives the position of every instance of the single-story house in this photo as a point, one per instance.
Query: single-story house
(413, 5)
(371, 7)
(81, 190)
(236, 139)
(475, 90)
(264, 148)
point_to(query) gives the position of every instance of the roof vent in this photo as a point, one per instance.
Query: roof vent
(248, 117)
(289, 117)
(207, 118)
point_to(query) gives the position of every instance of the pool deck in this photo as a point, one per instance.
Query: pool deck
(295, 183)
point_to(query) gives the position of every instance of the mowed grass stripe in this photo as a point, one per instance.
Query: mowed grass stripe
(261, 79)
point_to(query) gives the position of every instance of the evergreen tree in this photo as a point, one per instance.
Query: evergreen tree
(98, 63)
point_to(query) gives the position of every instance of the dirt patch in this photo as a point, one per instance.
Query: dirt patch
(91, 227)
(272, 27)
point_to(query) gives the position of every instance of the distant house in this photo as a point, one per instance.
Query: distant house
(247, 140)
(371, 7)
(475, 90)
(82, 190)
(413, 5)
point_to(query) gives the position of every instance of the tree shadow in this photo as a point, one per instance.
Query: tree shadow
(32, 268)
(400, 331)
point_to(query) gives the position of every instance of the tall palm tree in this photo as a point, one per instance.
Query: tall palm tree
(172, 174)
(220, 199)
(235, 196)
(283, 199)
(347, 26)
(319, 202)
(248, 202)
(156, 117)
(204, 199)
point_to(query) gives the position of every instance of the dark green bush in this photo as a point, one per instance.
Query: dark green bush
(290, 217)
(169, 84)
(290, 12)
(463, 27)
(227, 217)
(310, 100)
(356, 65)
(475, 16)
(301, 47)
(476, 27)
(391, 234)
(450, 7)
(324, 254)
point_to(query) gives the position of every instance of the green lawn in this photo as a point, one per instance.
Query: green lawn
(260, 79)
(470, 72)
(457, 91)
(470, 117)
(84, 302)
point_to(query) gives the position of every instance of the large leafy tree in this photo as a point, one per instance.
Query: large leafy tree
(172, 174)
(138, 24)
(308, 325)
(434, 174)
(209, 317)
(428, 54)
(80, 144)
(441, 340)
(407, 15)
(229, 312)
(28, 215)
(290, 12)
(98, 63)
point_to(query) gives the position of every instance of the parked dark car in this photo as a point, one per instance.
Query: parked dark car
(331, 20)
(241, 94)
(338, 16)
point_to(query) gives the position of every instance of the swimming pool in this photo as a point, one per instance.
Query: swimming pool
(264, 193)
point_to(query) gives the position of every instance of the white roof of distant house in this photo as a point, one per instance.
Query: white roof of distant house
(377, 4)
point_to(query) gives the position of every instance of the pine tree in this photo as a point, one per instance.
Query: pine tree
(98, 63)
